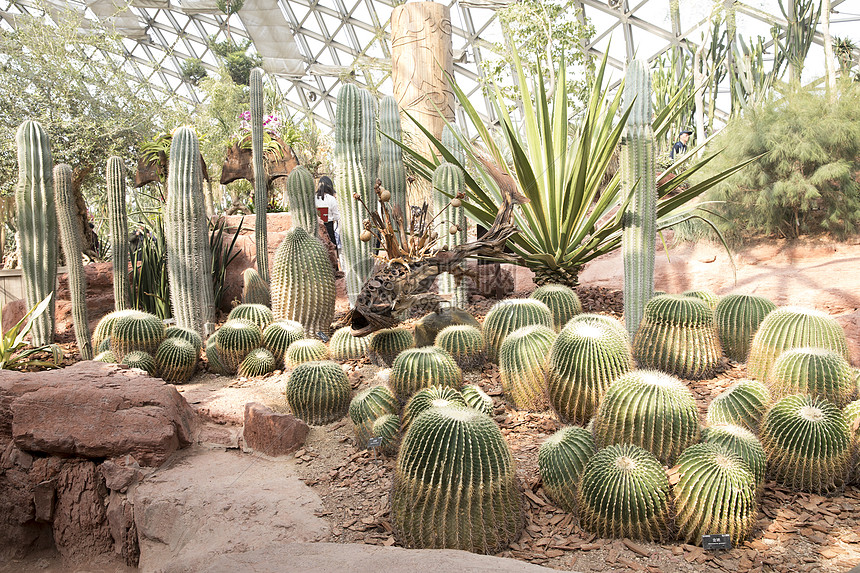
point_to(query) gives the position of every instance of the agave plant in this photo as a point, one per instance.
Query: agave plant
(570, 217)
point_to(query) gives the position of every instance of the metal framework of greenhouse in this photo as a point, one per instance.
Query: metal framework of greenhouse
(312, 46)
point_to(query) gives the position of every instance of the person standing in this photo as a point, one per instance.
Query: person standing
(680, 147)
(326, 205)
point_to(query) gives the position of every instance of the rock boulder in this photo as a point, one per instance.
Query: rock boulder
(271, 433)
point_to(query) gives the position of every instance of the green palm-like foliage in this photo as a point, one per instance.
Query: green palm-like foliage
(815, 371)
(743, 403)
(455, 484)
(561, 462)
(716, 492)
(624, 492)
(650, 409)
(562, 302)
(808, 444)
(742, 442)
(571, 217)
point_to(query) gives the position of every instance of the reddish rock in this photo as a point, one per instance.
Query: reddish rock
(120, 516)
(13, 311)
(20, 532)
(120, 473)
(99, 300)
(270, 433)
(95, 410)
(80, 525)
(277, 225)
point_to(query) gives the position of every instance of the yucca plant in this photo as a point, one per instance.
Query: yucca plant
(571, 217)
(13, 352)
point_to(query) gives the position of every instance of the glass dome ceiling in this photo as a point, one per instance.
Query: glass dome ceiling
(312, 46)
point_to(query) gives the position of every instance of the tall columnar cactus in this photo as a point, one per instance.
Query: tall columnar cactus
(561, 300)
(455, 484)
(176, 359)
(392, 170)
(464, 343)
(708, 297)
(590, 352)
(452, 144)
(70, 234)
(136, 330)
(384, 345)
(436, 396)
(257, 363)
(37, 225)
(814, 371)
(677, 335)
(418, 368)
(278, 336)
(118, 226)
(808, 444)
(624, 492)
(561, 462)
(300, 194)
(369, 136)
(742, 442)
(448, 180)
(508, 315)
(366, 407)
(743, 403)
(477, 399)
(306, 350)
(318, 392)
(261, 180)
(345, 346)
(352, 178)
(259, 314)
(522, 366)
(716, 492)
(303, 282)
(254, 289)
(650, 409)
(189, 258)
(738, 317)
(234, 340)
(793, 327)
(639, 179)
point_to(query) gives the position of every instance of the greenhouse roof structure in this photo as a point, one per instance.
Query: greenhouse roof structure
(313, 46)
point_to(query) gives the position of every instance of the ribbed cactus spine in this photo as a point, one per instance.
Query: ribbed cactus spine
(561, 462)
(738, 317)
(105, 326)
(234, 340)
(387, 429)
(368, 405)
(70, 234)
(464, 343)
(418, 368)
(508, 315)
(624, 492)
(650, 409)
(352, 178)
(639, 177)
(448, 180)
(477, 399)
(303, 282)
(257, 363)
(590, 352)
(742, 442)
(814, 371)
(743, 403)
(522, 366)
(793, 327)
(306, 350)
(345, 346)
(37, 224)
(808, 444)
(300, 194)
(716, 492)
(392, 170)
(452, 144)
(437, 396)
(189, 258)
(176, 359)
(318, 392)
(106, 356)
(185, 333)
(384, 345)
(257, 313)
(561, 300)
(118, 226)
(261, 180)
(255, 290)
(216, 363)
(369, 137)
(455, 484)
(708, 297)
(278, 336)
(136, 330)
(142, 360)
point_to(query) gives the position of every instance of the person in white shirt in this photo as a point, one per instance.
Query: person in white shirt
(326, 204)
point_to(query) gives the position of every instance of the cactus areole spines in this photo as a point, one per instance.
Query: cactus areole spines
(392, 170)
(638, 174)
(37, 224)
(118, 225)
(261, 193)
(186, 236)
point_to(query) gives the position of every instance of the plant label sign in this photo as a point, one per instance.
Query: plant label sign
(373, 443)
(322, 336)
(716, 541)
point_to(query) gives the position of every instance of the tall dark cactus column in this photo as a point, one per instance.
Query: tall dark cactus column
(70, 234)
(261, 193)
(189, 260)
(118, 226)
(300, 194)
(37, 224)
(392, 170)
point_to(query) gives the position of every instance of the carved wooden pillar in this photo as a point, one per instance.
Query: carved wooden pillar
(421, 58)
